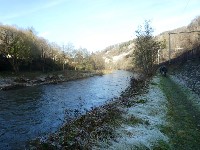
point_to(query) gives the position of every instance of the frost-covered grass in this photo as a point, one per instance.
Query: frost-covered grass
(192, 96)
(189, 73)
(141, 126)
(84, 131)
(117, 125)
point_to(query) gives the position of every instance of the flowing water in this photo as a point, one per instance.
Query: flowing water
(37, 111)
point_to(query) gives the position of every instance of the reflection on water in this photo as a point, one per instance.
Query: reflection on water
(37, 111)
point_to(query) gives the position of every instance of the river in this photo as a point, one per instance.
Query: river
(37, 111)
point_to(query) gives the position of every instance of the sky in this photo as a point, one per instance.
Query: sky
(96, 24)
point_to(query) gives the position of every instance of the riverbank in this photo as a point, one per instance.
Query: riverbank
(159, 113)
(32, 112)
(97, 124)
(13, 81)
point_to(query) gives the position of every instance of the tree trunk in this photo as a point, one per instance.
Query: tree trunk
(16, 68)
(14, 64)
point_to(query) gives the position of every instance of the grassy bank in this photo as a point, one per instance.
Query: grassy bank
(183, 116)
(141, 128)
(66, 73)
(84, 132)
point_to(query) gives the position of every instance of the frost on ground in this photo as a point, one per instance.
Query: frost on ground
(140, 128)
(191, 95)
(189, 74)
(5, 82)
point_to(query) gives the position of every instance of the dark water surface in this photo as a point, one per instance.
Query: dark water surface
(37, 111)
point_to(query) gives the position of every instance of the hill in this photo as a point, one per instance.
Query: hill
(115, 54)
(119, 56)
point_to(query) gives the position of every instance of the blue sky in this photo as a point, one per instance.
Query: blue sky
(96, 24)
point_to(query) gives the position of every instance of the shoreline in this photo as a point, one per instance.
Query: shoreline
(23, 81)
(98, 123)
(138, 119)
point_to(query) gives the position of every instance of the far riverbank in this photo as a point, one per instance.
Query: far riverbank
(9, 81)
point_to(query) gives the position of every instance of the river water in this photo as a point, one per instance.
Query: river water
(37, 111)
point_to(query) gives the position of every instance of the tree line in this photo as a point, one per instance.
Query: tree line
(23, 50)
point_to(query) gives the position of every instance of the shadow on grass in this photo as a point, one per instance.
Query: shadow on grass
(184, 127)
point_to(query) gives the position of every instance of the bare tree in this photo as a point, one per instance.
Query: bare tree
(14, 46)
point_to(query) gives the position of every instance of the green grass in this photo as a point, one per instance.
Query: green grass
(183, 116)
(161, 145)
(153, 83)
(132, 120)
(141, 101)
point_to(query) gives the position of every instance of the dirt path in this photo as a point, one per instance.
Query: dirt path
(183, 115)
